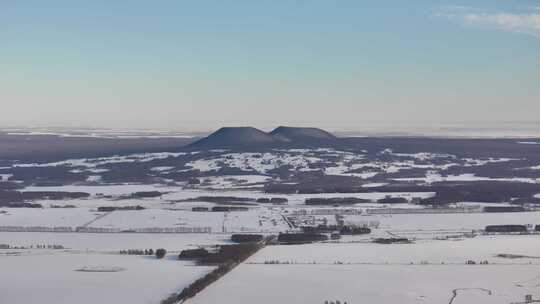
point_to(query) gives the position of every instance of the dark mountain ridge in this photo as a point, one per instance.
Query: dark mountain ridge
(296, 134)
(249, 137)
(232, 137)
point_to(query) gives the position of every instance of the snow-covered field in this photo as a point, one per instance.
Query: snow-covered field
(423, 272)
(49, 275)
(351, 269)
(254, 220)
(431, 251)
(49, 217)
(466, 221)
(381, 284)
(52, 278)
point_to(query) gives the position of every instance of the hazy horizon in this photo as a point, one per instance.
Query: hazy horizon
(456, 130)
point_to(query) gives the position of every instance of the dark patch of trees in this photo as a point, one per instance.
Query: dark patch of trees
(335, 201)
(446, 192)
(301, 238)
(194, 181)
(221, 200)
(19, 196)
(393, 200)
(229, 208)
(146, 194)
(193, 254)
(10, 186)
(348, 230)
(68, 206)
(391, 241)
(341, 229)
(504, 209)
(321, 228)
(119, 208)
(20, 205)
(199, 284)
(246, 238)
(273, 200)
(137, 252)
(160, 253)
(230, 253)
(505, 228)
(482, 191)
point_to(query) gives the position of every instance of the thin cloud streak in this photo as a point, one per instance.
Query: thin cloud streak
(524, 23)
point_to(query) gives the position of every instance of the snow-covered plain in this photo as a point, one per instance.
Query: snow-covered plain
(465, 221)
(253, 220)
(351, 269)
(52, 278)
(422, 272)
(381, 284)
(453, 251)
(49, 217)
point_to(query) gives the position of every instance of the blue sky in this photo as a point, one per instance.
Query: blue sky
(171, 64)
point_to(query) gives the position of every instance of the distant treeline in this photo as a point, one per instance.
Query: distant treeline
(142, 194)
(504, 209)
(335, 201)
(229, 200)
(446, 192)
(393, 240)
(505, 228)
(246, 238)
(273, 200)
(121, 208)
(15, 198)
(301, 238)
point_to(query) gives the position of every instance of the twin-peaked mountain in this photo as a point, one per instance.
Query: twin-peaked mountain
(249, 137)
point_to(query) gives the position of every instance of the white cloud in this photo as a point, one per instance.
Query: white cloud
(526, 23)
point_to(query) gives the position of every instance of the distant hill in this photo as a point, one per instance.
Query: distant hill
(249, 137)
(295, 134)
(232, 137)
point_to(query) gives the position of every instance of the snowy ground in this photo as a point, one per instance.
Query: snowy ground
(433, 251)
(423, 272)
(353, 270)
(381, 284)
(52, 278)
(49, 217)
(254, 220)
(466, 221)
